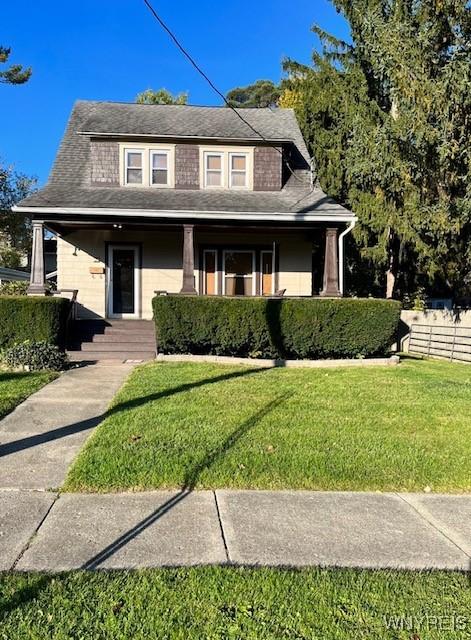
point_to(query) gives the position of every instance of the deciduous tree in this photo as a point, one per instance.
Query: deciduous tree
(263, 93)
(161, 96)
(15, 229)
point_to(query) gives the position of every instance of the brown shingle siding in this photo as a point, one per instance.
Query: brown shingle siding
(104, 157)
(187, 166)
(267, 174)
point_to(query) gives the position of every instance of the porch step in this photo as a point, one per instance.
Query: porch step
(121, 345)
(119, 336)
(93, 356)
(112, 339)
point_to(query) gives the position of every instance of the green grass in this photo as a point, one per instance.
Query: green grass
(16, 387)
(201, 425)
(228, 603)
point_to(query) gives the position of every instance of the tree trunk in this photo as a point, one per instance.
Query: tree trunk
(390, 283)
(393, 265)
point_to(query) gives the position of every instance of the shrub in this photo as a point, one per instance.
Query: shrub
(275, 327)
(33, 318)
(35, 356)
(14, 288)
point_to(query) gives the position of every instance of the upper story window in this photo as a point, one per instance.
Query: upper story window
(213, 169)
(159, 167)
(238, 169)
(133, 160)
(226, 168)
(147, 166)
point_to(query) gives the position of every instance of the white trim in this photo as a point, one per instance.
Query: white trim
(224, 251)
(226, 152)
(191, 215)
(206, 155)
(341, 252)
(137, 282)
(146, 150)
(135, 150)
(239, 154)
(166, 136)
(272, 253)
(160, 152)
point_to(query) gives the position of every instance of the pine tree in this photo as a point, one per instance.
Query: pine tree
(16, 73)
(388, 120)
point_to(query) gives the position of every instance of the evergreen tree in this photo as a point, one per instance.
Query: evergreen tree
(16, 73)
(387, 119)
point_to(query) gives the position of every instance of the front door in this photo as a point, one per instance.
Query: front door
(123, 281)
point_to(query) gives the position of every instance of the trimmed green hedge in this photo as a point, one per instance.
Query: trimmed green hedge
(33, 318)
(275, 327)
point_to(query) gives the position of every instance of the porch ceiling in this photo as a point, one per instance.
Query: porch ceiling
(64, 227)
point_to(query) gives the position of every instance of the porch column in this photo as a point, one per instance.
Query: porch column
(331, 264)
(37, 285)
(188, 260)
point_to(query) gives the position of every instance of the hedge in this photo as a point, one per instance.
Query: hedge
(275, 327)
(33, 318)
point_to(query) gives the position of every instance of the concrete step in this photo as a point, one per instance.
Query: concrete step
(124, 336)
(91, 356)
(148, 345)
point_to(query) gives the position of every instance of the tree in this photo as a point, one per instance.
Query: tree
(387, 119)
(16, 73)
(161, 96)
(263, 93)
(15, 229)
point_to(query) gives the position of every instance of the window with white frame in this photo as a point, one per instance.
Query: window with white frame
(133, 166)
(150, 165)
(213, 169)
(238, 170)
(226, 168)
(159, 168)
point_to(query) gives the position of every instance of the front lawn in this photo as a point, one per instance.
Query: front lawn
(17, 386)
(224, 603)
(201, 425)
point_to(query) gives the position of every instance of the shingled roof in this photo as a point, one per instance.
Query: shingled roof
(69, 184)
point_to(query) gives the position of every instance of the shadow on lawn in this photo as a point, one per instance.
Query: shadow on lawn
(167, 393)
(189, 483)
(6, 376)
(89, 423)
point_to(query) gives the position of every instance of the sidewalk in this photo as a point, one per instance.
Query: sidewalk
(41, 437)
(41, 531)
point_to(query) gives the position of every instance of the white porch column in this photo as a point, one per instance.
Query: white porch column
(37, 285)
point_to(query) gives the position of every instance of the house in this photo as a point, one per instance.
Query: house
(183, 199)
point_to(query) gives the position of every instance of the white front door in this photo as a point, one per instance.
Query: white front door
(123, 281)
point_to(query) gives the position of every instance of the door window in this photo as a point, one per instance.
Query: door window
(123, 281)
(239, 273)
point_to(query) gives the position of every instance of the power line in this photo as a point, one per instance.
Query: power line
(209, 81)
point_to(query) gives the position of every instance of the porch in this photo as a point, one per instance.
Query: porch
(118, 266)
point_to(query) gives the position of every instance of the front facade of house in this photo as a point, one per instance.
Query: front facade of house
(181, 199)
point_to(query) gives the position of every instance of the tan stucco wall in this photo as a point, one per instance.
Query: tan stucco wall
(80, 251)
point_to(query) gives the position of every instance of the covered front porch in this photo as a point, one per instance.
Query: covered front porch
(118, 265)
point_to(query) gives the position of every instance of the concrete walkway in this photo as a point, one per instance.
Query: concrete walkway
(41, 437)
(51, 532)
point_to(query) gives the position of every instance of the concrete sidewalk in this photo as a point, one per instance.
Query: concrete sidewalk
(41, 437)
(42, 531)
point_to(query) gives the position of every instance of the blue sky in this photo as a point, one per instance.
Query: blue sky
(113, 49)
